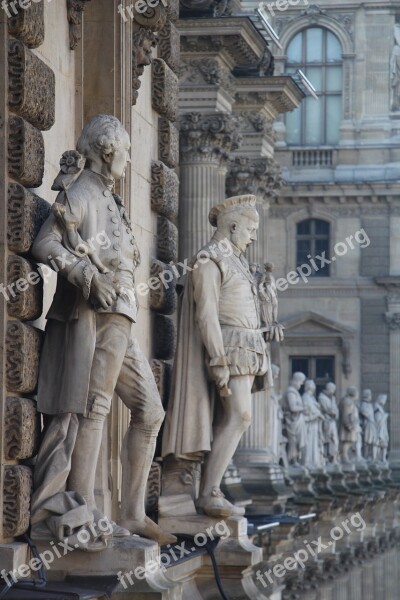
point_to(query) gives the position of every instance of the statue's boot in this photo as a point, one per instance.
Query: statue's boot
(137, 455)
(83, 469)
(217, 506)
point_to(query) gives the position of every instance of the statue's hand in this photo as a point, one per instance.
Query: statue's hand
(275, 333)
(220, 375)
(102, 291)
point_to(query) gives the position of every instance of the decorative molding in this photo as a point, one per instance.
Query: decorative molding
(164, 337)
(143, 41)
(393, 320)
(206, 71)
(31, 86)
(24, 289)
(162, 372)
(25, 152)
(208, 137)
(17, 490)
(261, 177)
(168, 142)
(21, 429)
(255, 122)
(242, 53)
(164, 190)
(75, 10)
(165, 90)
(28, 24)
(163, 299)
(23, 343)
(167, 240)
(169, 46)
(26, 214)
(214, 8)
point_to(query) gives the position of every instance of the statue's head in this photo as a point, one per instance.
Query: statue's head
(275, 370)
(298, 379)
(330, 388)
(310, 386)
(367, 396)
(105, 143)
(382, 399)
(352, 391)
(237, 219)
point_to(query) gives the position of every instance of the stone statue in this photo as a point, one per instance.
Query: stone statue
(269, 304)
(221, 355)
(276, 417)
(395, 71)
(349, 425)
(330, 411)
(313, 416)
(382, 432)
(368, 426)
(89, 350)
(295, 422)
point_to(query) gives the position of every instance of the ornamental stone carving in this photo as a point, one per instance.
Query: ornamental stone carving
(31, 86)
(25, 152)
(208, 137)
(169, 45)
(164, 190)
(165, 90)
(261, 177)
(22, 358)
(17, 489)
(162, 375)
(24, 289)
(163, 298)
(75, 10)
(212, 8)
(206, 71)
(167, 240)
(21, 429)
(164, 337)
(393, 320)
(28, 24)
(143, 41)
(168, 142)
(26, 214)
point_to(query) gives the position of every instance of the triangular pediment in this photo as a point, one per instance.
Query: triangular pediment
(313, 324)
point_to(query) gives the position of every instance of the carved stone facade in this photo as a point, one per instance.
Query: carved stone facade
(25, 152)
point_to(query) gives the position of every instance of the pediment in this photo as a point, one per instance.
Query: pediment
(312, 324)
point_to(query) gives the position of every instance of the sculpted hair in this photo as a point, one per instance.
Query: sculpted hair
(225, 219)
(104, 133)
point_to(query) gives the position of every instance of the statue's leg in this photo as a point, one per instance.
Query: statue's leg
(234, 419)
(138, 390)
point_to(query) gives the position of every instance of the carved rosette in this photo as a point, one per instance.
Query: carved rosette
(24, 289)
(168, 142)
(23, 343)
(26, 214)
(31, 86)
(162, 374)
(75, 10)
(163, 299)
(25, 152)
(28, 24)
(17, 490)
(164, 337)
(21, 429)
(261, 177)
(167, 240)
(164, 190)
(208, 137)
(165, 90)
(169, 45)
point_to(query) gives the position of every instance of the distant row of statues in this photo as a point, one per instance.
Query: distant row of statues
(322, 431)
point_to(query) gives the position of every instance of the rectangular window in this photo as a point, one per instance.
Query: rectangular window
(321, 369)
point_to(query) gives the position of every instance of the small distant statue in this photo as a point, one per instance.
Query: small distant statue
(382, 432)
(269, 304)
(295, 423)
(395, 71)
(349, 425)
(329, 408)
(314, 418)
(369, 425)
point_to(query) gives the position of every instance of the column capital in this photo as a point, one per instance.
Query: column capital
(259, 176)
(206, 138)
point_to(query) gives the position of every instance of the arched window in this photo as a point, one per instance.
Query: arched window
(318, 53)
(312, 240)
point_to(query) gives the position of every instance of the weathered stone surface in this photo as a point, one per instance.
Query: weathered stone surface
(167, 240)
(165, 90)
(164, 337)
(208, 137)
(21, 429)
(24, 289)
(22, 363)
(31, 86)
(168, 142)
(26, 214)
(172, 9)
(17, 491)
(169, 46)
(143, 41)
(163, 299)
(25, 152)
(75, 9)
(28, 24)
(162, 374)
(153, 490)
(164, 190)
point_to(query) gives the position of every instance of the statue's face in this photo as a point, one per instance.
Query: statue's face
(331, 389)
(367, 396)
(143, 55)
(297, 382)
(117, 162)
(244, 230)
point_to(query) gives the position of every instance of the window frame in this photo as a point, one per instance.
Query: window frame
(313, 237)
